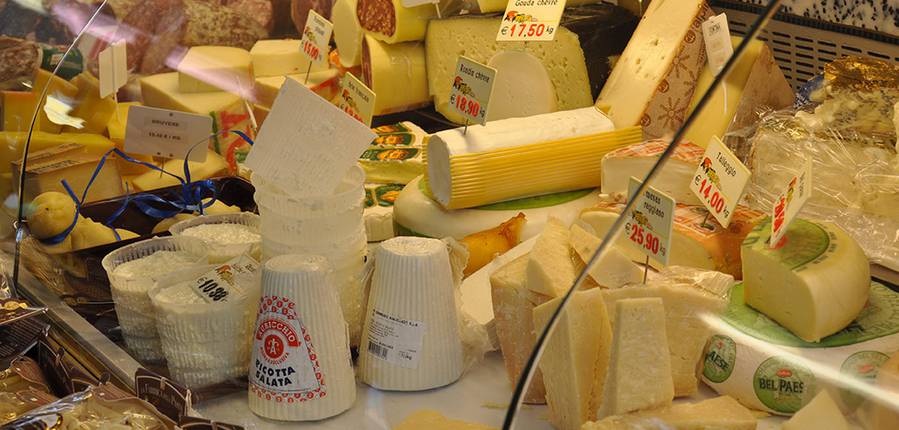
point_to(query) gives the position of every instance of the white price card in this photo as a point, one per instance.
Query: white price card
(530, 20)
(113, 68)
(316, 37)
(718, 45)
(650, 222)
(789, 203)
(166, 133)
(472, 88)
(221, 283)
(356, 99)
(719, 181)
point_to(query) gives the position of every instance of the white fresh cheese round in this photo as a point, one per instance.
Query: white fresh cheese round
(522, 86)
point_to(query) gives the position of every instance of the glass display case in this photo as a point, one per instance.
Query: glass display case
(264, 214)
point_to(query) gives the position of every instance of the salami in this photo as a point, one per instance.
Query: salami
(390, 22)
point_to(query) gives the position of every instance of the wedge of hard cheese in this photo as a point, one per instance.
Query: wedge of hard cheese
(612, 270)
(324, 83)
(550, 271)
(636, 160)
(720, 413)
(821, 413)
(207, 69)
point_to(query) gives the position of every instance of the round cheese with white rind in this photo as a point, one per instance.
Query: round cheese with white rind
(522, 86)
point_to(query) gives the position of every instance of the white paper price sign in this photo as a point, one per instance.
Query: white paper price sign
(534, 20)
(719, 181)
(356, 99)
(472, 88)
(789, 203)
(718, 45)
(113, 68)
(316, 37)
(166, 133)
(650, 222)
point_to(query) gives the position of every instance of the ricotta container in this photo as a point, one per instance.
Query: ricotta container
(228, 235)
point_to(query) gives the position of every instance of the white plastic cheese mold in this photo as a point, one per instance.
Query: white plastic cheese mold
(228, 235)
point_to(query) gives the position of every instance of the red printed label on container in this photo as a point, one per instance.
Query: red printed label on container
(471, 90)
(285, 366)
(650, 222)
(530, 20)
(316, 37)
(719, 181)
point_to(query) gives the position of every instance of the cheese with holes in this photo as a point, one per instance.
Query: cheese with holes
(821, 413)
(653, 81)
(639, 375)
(756, 81)
(576, 358)
(516, 70)
(693, 244)
(396, 73)
(636, 160)
(484, 164)
(513, 309)
(550, 270)
(433, 420)
(213, 166)
(391, 22)
(325, 83)
(613, 269)
(73, 163)
(279, 57)
(814, 283)
(206, 69)
(720, 413)
(348, 33)
(89, 106)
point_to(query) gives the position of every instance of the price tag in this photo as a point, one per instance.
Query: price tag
(530, 20)
(113, 68)
(718, 45)
(219, 284)
(719, 181)
(789, 203)
(650, 222)
(356, 99)
(316, 37)
(166, 133)
(472, 88)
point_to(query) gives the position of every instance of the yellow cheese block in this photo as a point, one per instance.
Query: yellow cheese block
(11, 144)
(115, 129)
(324, 83)
(213, 166)
(279, 57)
(206, 69)
(389, 21)
(386, 68)
(70, 162)
(95, 111)
(18, 109)
(89, 233)
(433, 420)
(720, 413)
(58, 88)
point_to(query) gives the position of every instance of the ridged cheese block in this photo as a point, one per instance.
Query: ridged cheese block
(88, 105)
(484, 164)
(213, 166)
(613, 269)
(814, 284)
(513, 307)
(396, 156)
(709, 247)
(550, 271)
(411, 337)
(301, 369)
(417, 214)
(883, 416)
(639, 375)
(391, 22)
(433, 420)
(323, 82)
(822, 412)
(279, 57)
(636, 160)
(396, 73)
(720, 413)
(348, 33)
(206, 69)
(756, 81)
(576, 358)
(653, 81)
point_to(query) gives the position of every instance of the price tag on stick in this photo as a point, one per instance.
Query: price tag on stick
(719, 181)
(166, 133)
(789, 203)
(527, 20)
(356, 99)
(113, 68)
(718, 45)
(472, 88)
(650, 222)
(316, 37)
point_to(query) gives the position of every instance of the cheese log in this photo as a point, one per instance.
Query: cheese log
(484, 164)
(576, 358)
(720, 413)
(709, 247)
(653, 81)
(550, 270)
(206, 69)
(756, 81)
(324, 83)
(613, 269)
(433, 420)
(299, 11)
(88, 105)
(347, 33)
(516, 70)
(821, 413)
(636, 160)
(513, 307)
(71, 162)
(884, 416)
(279, 57)
(639, 375)
(213, 166)
(389, 21)
(397, 75)
(814, 284)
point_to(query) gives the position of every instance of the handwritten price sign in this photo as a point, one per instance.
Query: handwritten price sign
(356, 99)
(650, 222)
(789, 203)
(719, 181)
(316, 37)
(472, 88)
(530, 20)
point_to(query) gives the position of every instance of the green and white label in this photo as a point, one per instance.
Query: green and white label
(720, 359)
(781, 385)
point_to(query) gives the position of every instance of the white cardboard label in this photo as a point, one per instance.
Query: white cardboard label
(58, 113)
(718, 45)
(529, 20)
(166, 133)
(789, 203)
(395, 340)
(307, 142)
(719, 181)
(651, 221)
(113, 68)
(471, 90)
(413, 3)
(219, 284)
(356, 99)
(316, 37)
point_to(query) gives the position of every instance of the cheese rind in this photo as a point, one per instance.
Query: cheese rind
(348, 33)
(207, 69)
(822, 412)
(720, 413)
(550, 271)
(279, 57)
(613, 269)
(636, 160)
(391, 22)
(396, 73)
